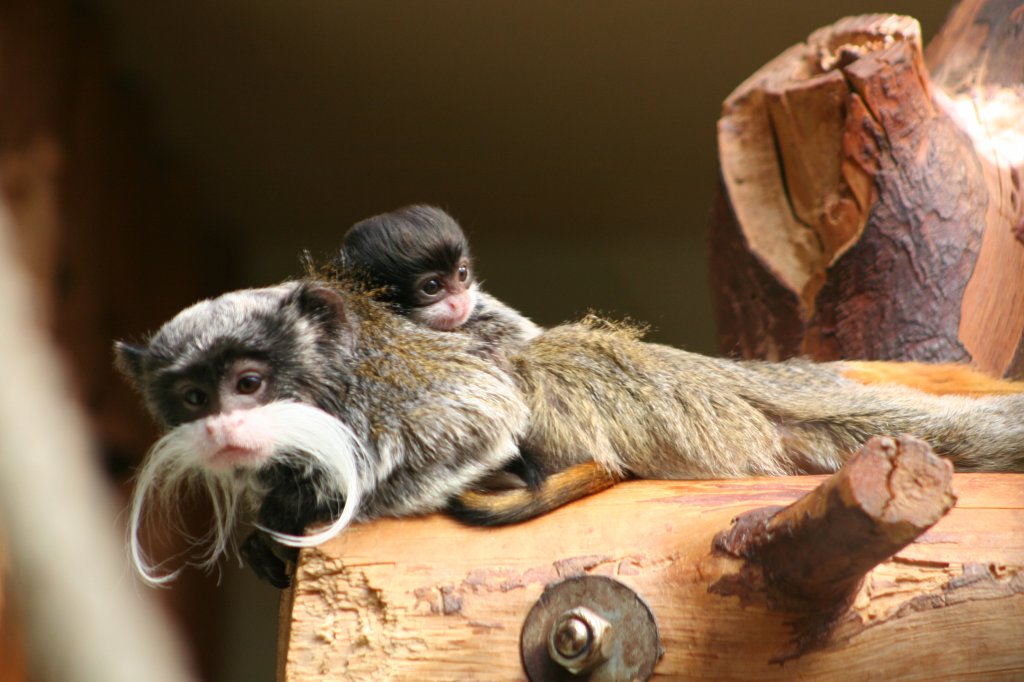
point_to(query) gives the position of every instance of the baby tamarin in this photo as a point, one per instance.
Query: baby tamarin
(310, 402)
(418, 258)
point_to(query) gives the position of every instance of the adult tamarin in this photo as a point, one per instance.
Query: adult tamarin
(342, 409)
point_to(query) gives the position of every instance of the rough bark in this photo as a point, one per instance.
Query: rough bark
(870, 202)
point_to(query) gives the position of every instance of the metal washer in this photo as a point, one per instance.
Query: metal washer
(635, 647)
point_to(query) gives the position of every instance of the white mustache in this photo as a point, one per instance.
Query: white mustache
(296, 434)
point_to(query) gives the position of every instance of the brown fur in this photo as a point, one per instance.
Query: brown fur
(598, 394)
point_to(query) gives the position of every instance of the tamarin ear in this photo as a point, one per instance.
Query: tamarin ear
(130, 359)
(322, 303)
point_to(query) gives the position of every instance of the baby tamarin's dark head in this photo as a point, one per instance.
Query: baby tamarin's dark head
(420, 258)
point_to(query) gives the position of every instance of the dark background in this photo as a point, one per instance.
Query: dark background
(575, 142)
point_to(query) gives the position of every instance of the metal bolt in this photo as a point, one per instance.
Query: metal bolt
(578, 640)
(572, 637)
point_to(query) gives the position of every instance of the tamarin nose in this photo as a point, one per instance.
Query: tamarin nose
(459, 306)
(214, 429)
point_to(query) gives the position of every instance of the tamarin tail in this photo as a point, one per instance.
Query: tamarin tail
(479, 508)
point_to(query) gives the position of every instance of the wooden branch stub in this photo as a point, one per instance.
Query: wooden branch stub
(813, 554)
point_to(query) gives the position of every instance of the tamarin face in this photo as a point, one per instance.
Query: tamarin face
(307, 403)
(230, 380)
(444, 300)
(420, 257)
(221, 399)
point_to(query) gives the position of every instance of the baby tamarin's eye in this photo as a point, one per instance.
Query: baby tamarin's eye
(431, 287)
(195, 397)
(463, 273)
(249, 382)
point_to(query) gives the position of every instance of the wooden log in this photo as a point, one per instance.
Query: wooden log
(428, 598)
(871, 210)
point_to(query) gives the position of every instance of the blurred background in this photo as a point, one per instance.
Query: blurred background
(156, 153)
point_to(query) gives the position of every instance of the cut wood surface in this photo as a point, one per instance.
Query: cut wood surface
(871, 200)
(430, 599)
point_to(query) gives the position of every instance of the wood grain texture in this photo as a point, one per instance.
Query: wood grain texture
(427, 598)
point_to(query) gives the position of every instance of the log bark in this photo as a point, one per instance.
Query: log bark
(427, 598)
(870, 202)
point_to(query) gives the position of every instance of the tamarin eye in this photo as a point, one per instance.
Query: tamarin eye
(431, 287)
(250, 382)
(195, 397)
(463, 273)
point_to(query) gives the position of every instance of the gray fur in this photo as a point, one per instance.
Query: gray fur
(499, 324)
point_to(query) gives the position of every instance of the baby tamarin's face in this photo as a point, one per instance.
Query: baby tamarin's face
(443, 300)
(420, 257)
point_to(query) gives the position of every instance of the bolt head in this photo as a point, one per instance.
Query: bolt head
(572, 636)
(578, 640)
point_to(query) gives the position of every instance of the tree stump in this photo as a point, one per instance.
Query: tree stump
(871, 203)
